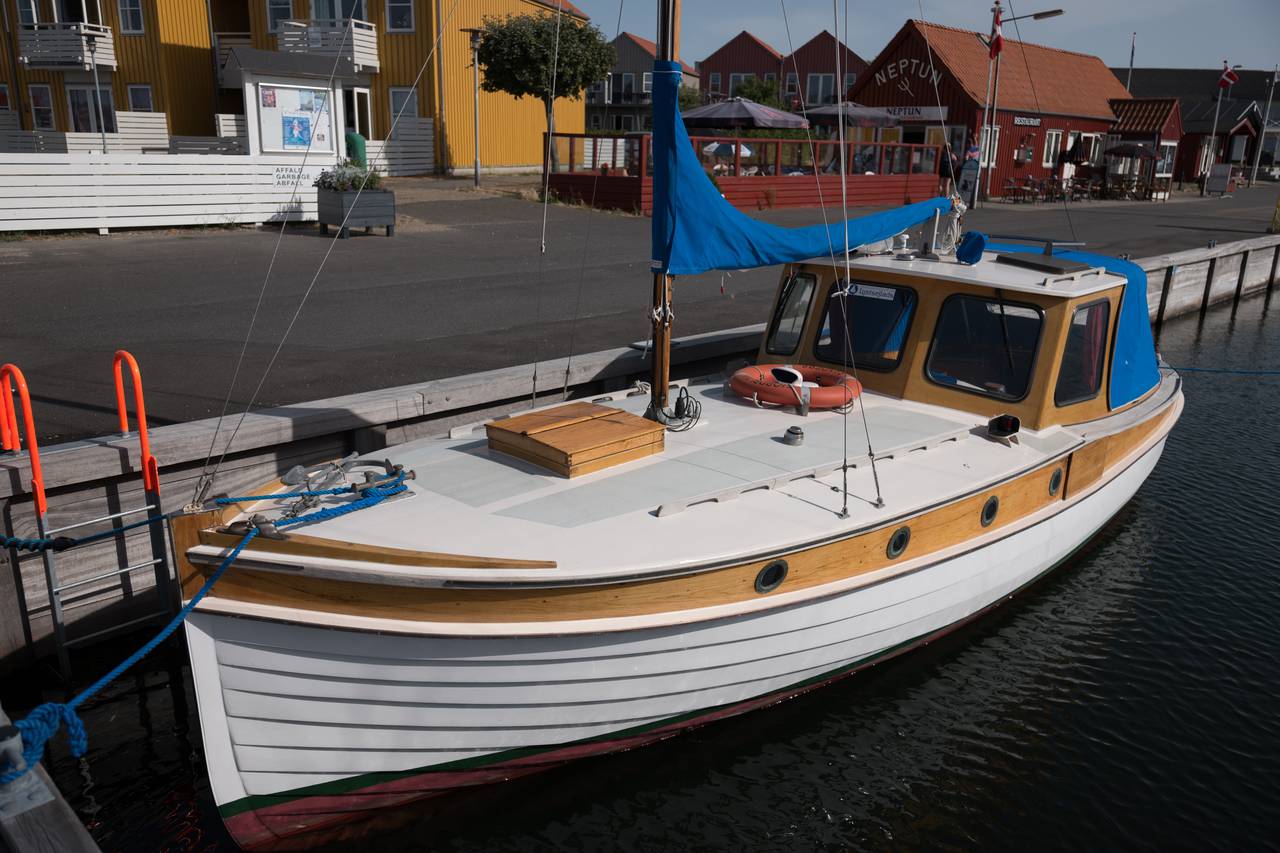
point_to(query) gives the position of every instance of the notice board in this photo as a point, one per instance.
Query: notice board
(294, 119)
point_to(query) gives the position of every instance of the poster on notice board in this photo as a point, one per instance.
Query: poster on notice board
(294, 118)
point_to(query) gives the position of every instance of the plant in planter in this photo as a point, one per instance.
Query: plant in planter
(351, 196)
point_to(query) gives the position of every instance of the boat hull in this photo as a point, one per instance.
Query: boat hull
(306, 727)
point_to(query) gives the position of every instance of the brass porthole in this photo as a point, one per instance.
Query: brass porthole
(898, 543)
(771, 576)
(990, 510)
(1055, 482)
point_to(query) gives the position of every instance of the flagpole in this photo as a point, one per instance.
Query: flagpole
(995, 141)
(1213, 137)
(1133, 45)
(982, 131)
(1262, 139)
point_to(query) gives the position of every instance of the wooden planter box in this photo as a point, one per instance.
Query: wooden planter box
(367, 210)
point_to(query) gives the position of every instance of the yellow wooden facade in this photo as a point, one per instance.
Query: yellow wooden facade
(171, 55)
(175, 56)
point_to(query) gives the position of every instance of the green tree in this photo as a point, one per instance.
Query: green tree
(760, 91)
(689, 98)
(518, 53)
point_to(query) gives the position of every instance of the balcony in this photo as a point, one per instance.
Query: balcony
(224, 43)
(66, 46)
(353, 39)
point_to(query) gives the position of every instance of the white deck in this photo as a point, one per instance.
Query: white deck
(727, 490)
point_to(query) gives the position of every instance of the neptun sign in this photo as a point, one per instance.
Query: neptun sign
(901, 72)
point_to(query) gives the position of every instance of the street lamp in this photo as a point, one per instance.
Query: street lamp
(1262, 139)
(92, 39)
(475, 77)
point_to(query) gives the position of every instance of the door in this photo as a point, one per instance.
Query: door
(338, 11)
(79, 11)
(355, 103)
(83, 107)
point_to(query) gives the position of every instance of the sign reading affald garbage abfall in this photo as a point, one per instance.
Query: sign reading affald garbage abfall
(294, 118)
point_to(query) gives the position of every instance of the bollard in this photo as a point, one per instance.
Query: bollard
(1208, 286)
(1244, 268)
(24, 794)
(1164, 298)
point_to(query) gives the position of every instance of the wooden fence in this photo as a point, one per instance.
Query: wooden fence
(71, 191)
(135, 132)
(410, 151)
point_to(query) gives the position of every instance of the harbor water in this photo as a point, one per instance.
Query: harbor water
(1128, 702)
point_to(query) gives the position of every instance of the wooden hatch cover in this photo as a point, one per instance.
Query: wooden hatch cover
(577, 438)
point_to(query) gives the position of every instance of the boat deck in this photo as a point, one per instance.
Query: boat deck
(726, 490)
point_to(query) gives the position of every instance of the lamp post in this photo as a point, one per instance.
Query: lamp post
(475, 112)
(986, 147)
(1262, 139)
(92, 38)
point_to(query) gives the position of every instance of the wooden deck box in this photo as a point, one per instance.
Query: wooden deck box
(577, 438)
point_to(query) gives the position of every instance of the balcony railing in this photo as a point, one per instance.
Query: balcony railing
(354, 39)
(223, 43)
(66, 45)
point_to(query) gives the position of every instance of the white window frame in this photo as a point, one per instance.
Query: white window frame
(713, 84)
(413, 20)
(407, 91)
(53, 110)
(850, 77)
(793, 83)
(821, 79)
(990, 145)
(108, 106)
(736, 79)
(1050, 158)
(7, 106)
(338, 17)
(1173, 159)
(628, 83)
(141, 87)
(597, 121)
(28, 12)
(273, 24)
(126, 9)
(624, 122)
(646, 83)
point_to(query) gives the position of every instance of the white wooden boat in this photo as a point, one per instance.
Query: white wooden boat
(501, 617)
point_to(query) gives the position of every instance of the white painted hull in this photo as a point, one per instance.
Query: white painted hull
(286, 706)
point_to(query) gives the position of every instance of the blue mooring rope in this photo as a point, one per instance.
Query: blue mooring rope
(42, 723)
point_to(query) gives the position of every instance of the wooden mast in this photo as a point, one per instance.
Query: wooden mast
(668, 40)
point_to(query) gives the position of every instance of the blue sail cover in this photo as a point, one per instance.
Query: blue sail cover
(695, 229)
(1134, 370)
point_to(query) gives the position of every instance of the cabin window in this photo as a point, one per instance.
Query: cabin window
(1080, 374)
(985, 346)
(788, 320)
(865, 325)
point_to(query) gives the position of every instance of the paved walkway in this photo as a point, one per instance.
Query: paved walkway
(462, 287)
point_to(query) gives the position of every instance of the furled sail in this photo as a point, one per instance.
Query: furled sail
(695, 229)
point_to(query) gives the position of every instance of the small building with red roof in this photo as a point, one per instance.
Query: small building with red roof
(741, 57)
(936, 79)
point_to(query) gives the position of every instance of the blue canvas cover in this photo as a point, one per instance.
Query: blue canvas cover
(695, 229)
(1134, 370)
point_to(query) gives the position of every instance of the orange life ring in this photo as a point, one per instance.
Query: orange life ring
(758, 382)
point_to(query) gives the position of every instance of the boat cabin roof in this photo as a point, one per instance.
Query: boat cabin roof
(990, 272)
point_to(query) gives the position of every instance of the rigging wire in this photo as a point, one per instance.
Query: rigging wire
(586, 240)
(262, 291)
(546, 203)
(207, 481)
(1022, 48)
(937, 95)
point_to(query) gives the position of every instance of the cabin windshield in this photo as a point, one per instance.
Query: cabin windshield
(985, 346)
(793, 307)
(873, 318)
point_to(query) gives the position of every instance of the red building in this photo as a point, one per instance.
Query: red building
(1156, 122)
(1046, 99)
(810, 72)
(743, 56)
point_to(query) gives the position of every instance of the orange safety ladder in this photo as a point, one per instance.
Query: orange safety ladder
(9, 436)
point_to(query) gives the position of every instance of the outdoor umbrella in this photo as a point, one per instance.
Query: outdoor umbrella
(739, 112)
(1131, 149)
(725, 149)
(1075, 156)
(854, 114)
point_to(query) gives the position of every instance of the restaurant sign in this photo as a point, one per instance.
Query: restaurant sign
(901, 72)
(917, 113)
(1026, 121)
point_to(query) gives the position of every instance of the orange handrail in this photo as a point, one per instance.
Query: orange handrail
(9, 374)
(150, 470)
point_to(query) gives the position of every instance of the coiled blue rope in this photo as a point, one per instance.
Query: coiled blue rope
(39, 726)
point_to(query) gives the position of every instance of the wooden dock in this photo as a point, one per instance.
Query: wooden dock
(34, 818)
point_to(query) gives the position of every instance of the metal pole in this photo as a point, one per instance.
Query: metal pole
(995, 137)
(475, 75)
(1133, 46)
(1262, 138)
(1213, 142)
(97, 90)
(982, 130)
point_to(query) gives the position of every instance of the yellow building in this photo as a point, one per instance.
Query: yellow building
(167, 56)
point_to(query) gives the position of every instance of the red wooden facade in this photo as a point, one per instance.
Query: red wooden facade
(1064, 92)
(818, 56)
(742, 54)
(753, 174)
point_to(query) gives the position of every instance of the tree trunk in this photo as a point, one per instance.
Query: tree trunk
(551, 129)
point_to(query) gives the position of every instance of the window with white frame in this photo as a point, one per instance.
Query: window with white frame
(714, 85)
(399, 16)
(278, 11)
(1093, 148)
(140, 100)
(990, 144)
(83, 105)
(736, 80)
(41, 96)
(27, 12)
(793, 83)
(770, 77)
(646, 82)
(1164, 165)
(628, 87)
(403, 98)
(624, 122)
(5, 106)
(338, 11)
(820, 89)
(1073, 137)
(849, 79)
(131, 16)
(1052, 147)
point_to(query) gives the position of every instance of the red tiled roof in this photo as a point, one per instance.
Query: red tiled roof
(1142, 115)
(564, 6)
(652, 49)
(1060, 82)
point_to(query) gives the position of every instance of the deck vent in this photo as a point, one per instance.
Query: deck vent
(1041, 262)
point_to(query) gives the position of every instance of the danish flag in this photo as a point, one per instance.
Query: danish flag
(997, 38)
(1228, 78)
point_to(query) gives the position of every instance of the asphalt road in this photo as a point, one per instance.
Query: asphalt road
(461, 287)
